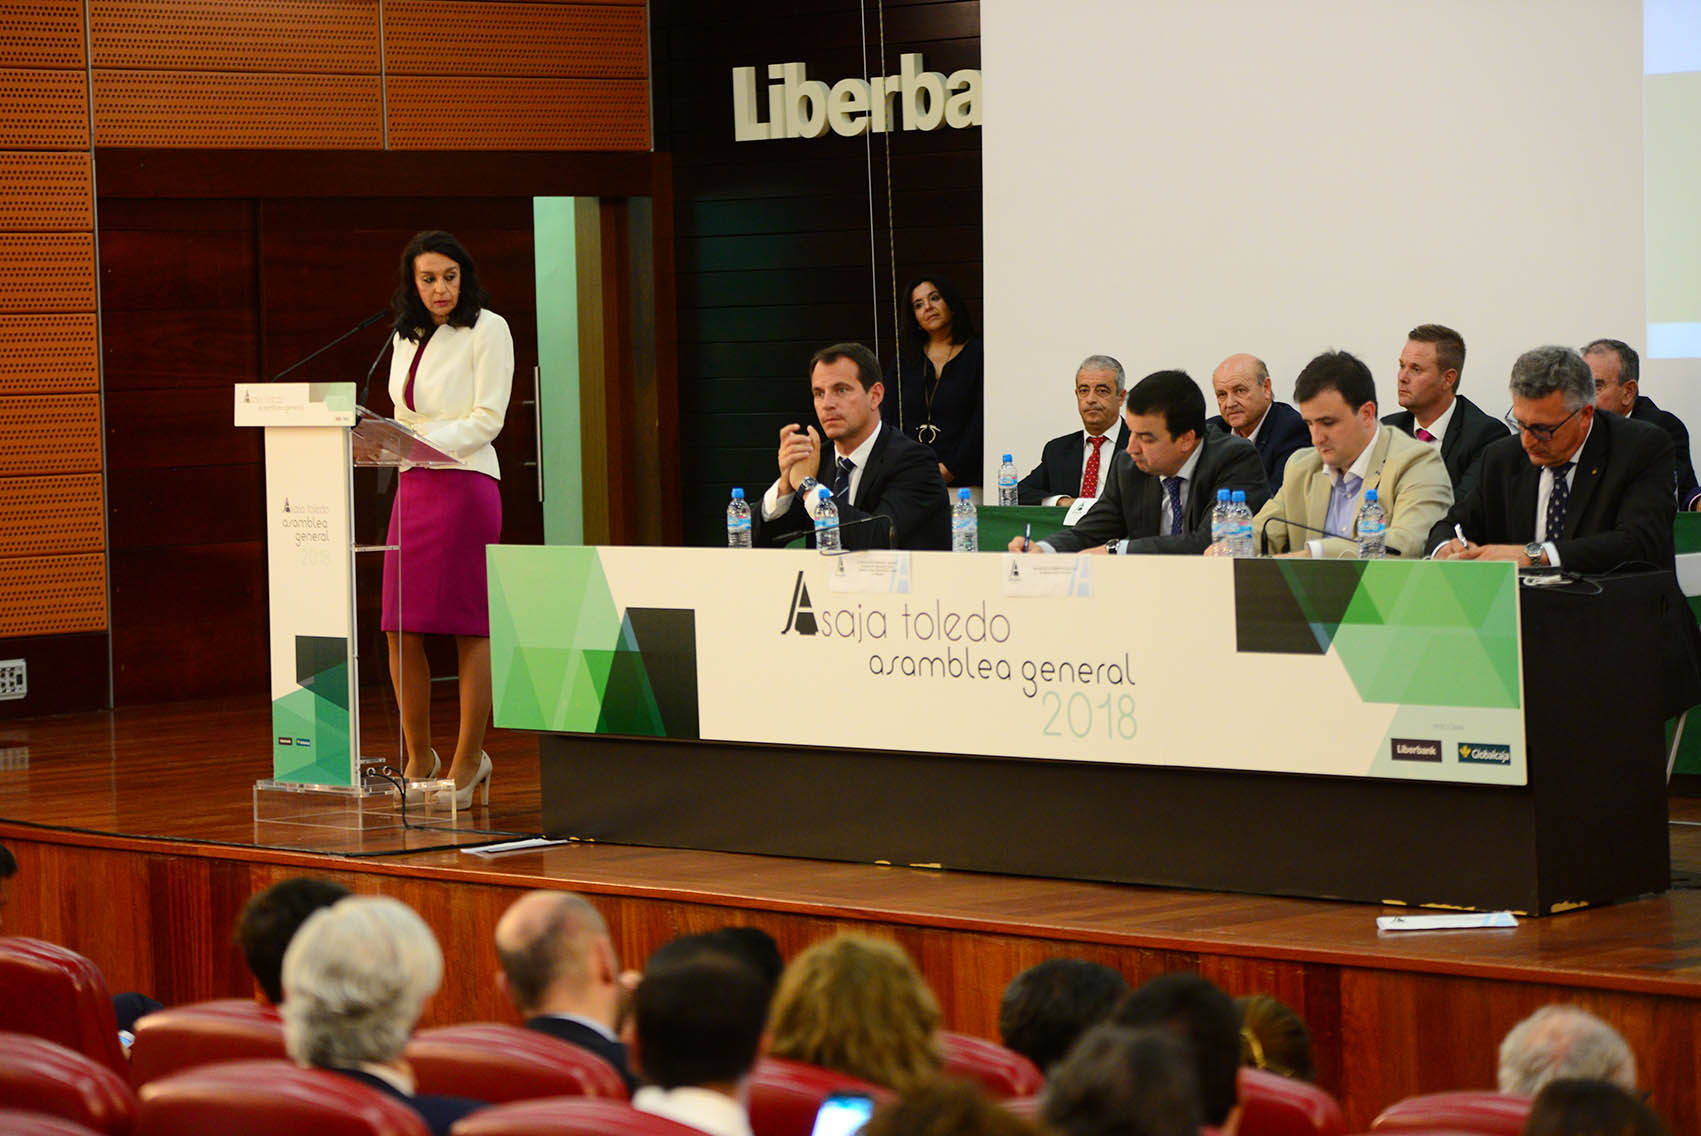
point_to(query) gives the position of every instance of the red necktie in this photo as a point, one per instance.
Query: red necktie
(1090, 475)
(1425, 435)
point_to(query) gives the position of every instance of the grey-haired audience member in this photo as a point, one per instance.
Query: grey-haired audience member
(1563, 1042)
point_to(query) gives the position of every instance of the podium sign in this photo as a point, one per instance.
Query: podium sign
(310, 571)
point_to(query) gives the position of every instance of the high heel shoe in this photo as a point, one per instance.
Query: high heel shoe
(481, 779)
(416, 795)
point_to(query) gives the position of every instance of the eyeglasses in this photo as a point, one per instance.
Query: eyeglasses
(1542, 433)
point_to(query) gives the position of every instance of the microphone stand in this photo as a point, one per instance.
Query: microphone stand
(361, 326)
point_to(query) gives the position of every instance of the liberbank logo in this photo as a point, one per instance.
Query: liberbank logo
(1415, 749)
(801, 107)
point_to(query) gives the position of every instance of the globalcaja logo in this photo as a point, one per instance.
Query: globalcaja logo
(1415, 749)
(801, 615)
(1483, 753)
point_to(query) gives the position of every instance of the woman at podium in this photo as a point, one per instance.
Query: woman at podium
(450, 373)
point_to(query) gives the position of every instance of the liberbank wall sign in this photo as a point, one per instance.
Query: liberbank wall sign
(801, 107)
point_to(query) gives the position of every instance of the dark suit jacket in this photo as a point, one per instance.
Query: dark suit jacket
(901, 483)
(1646, 411)
(439, 1113)
(588, 1039)
(1131, 506)
(1280, 437)
(1469, 433)
(1062, 464)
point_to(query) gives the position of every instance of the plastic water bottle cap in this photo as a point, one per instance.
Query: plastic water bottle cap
(962, 494)
(1009, 457)
(1239, 496)
(1369, 495)
(738, 494)
(1222, 494)
(823, 493)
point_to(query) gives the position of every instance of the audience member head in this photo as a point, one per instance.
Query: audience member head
(935, 305)
(699, 1021)
(943, 1107)
(1273, 1038)
(752, 946)
(412, 317)
(1242, 386)
(1205, 1020)
(1165, 413)
(1616, 370)
(1589, 1108)
(1100, 386)
(1430, 365)
(270, 919)
(8, 869)
(1336, 394)
(857, 1006)
(556, 957)
(1124, 1082)
(356, 978)
(1563, 1043)
(1552, 389)
(1048, 1006)
(844, 381)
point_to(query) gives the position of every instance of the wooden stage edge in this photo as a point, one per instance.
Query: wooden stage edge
(118, 861)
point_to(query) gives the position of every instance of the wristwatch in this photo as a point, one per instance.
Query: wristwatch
(1537, 554)
(1113, 546)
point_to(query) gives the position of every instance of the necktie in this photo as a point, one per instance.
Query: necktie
(1425, 435)
(1172, 489)
(1090, 475)
(841, 483)
(1557, 497)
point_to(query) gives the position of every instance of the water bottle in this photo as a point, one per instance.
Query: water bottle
(1242, 523)
(826, 522)
(965, 525)
(1372, 528)
(1007, 481)
(1222, 527)
(738, 521)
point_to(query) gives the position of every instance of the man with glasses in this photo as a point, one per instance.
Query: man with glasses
(1617, 368)
(1575, 489)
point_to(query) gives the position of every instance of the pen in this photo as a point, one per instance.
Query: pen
(1028, 536)
(1460, 533)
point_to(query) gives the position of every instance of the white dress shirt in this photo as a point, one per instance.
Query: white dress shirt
(1439, 427)
(704, 1109)
(1106, 451)
(460, 392)
(1544, 490)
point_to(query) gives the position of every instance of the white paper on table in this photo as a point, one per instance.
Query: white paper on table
(1464, 921)
(1041, 575)
(1078, 510)
(886, 572)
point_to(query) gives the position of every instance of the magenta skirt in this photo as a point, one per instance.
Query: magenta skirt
(434, 583)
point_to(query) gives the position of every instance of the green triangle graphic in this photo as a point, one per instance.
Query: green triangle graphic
(516, 697)
(581, 708)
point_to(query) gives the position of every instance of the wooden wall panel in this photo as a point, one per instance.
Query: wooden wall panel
(239, 111)
(47, 515)
(184, 619)
(46, 192)
(518, 114)
(580, 40)
(49, 434)
(337, 36)
(48, 272)
(52, 595)
(41, 353)
(41, 33)
(44, 109)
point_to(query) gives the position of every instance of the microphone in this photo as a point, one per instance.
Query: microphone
(868, 519)
(1264, 535)
(361, 326)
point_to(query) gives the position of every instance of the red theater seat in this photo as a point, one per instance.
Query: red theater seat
(270, 1098)
(785, 1095)
(37, 1075)
(568, 1116)
(1001, 1072)
(203, 1033)
(1485, 1113)
(15, 1122)
(1272, 1105)
(58, 994)
(492, 1062)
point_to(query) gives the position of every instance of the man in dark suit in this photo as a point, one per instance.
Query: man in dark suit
(1433, 409)
(1067, 469)
(560, 969)
(1247, 406)
(1160, 492)
(1617, 368)
(887, 487)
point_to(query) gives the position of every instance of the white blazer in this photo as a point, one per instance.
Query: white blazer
(460, 393)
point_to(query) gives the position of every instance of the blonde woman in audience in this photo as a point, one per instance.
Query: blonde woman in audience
(859, 1007)
(1273, 1038)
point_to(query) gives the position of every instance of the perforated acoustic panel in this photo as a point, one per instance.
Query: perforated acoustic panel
(48, 354)
(52, 595)
(194, 109)
(41, 33)
(236, 35)
(518, 114)
(49, 515)
(46, 109)
(47, 434)
(47, 272)
(430, 37)
(45, 192)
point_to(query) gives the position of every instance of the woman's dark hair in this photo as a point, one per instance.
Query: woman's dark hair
(412, 320)
(1589, 1108)
(1274, 1038)
(912, 337)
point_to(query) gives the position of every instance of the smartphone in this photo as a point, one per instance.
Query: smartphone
(843, 1114)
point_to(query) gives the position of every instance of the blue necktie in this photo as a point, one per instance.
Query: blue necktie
(841, 483)
(1557, 498)
(1172, 488)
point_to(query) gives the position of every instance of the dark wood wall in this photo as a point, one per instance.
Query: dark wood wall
(774, 250)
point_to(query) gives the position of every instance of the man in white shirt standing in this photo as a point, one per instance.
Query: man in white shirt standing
(699, 1023)
(1077, 464)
